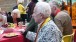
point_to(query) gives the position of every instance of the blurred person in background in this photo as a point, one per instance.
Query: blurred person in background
(32, 26)
(9, 18)
(22, 10)
(3, 18)
(4, 14)
(47, 31)
(61, 18)
(15, 16)
(9, 13)
(16, 6)
(30, 9)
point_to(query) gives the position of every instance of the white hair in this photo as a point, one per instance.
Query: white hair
(44, 8)
(20, 1)
(53, 3)
(17, 12)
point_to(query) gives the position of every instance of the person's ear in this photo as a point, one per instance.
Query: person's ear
(42, 16)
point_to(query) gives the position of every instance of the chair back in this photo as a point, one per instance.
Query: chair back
(68, 38)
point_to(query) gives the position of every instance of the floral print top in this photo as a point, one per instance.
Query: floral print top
(48, 33)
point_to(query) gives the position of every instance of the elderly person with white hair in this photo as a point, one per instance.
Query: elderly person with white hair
(61, 18)
(47, 31)
(15, 16)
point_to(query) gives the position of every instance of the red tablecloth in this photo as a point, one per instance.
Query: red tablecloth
(18, 38)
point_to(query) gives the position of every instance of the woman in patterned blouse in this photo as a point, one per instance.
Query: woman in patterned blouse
(47, 31)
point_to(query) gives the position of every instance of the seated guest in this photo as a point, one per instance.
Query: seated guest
(3, 19)
(32, 24)
(15, 16)
(62, 19)
(47, 31)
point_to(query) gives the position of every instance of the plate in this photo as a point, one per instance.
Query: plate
(10, 35)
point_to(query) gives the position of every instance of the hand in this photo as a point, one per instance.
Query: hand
(21, 30)
(5, 25)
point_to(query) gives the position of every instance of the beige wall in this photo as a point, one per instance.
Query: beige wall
(8, 5)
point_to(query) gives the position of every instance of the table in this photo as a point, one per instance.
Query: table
(18, 38)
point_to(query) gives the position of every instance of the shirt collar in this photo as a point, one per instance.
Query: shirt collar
(44, 22)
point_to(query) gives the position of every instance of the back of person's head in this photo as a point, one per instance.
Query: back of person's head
(55, 6)
(43, 8)
(3, 12)
(16, 11)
